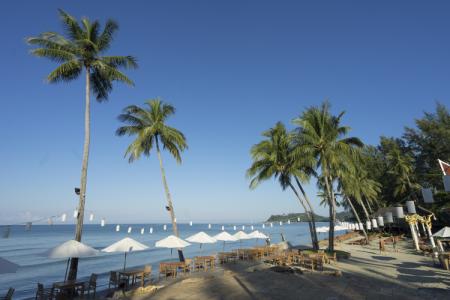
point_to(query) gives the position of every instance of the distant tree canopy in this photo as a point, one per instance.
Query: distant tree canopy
(403, 165)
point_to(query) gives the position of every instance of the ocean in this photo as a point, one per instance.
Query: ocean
(26, 249)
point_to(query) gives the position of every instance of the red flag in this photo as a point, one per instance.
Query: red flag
(445, 167)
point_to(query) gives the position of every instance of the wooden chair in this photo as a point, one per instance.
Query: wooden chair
(115, 281)
(167, 270)
(331, 258)
(146, 275)
(44, 293)
(9, 294)
(187, 267)
(92, 284)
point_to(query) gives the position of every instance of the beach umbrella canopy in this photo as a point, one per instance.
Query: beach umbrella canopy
(257, 235)
(240, 235)
(201, 238)
(125, 245)
(70, 249)
(225, 236)
(7, 266)
(443, 233)
(172, 242)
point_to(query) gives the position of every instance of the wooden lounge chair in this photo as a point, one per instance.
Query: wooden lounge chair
(9, 294)
(91, 284)
(44, 293)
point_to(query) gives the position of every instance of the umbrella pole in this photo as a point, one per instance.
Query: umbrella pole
(125, 261)
(67, 267)
(223, 246)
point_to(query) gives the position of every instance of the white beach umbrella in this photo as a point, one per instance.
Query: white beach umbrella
(240, 235)
(125, 245)
(443, 233)
(7, 266)
(225, 237)
(172, 242)
(201, 238)
(257, 235)
(70, 249)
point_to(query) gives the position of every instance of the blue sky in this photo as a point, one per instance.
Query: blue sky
(232, 69)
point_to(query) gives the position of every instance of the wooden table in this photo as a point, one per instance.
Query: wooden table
(172, 266)
(227, 256)
(132, 273)
(205, 261)
(70, 286)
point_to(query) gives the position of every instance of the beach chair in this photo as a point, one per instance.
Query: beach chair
(9, 294)
(146, 274)
(43, 293)
(91, 284)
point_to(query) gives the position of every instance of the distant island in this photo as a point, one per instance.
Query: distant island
(341, 216)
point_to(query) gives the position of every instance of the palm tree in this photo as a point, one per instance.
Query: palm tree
(357, 187)
(321, 135)
(149, 126)
(401, 166)
(81, 49)
(273, 157)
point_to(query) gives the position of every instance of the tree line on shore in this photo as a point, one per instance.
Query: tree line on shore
(362, 178)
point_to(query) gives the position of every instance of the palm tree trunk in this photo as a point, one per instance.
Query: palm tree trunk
(331, 203)
(357, 217)
(365, 210)
(311, 228)
(169, 199)
(87, 135)
(368, 206)
(310, 214)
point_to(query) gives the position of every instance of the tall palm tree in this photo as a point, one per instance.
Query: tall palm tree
(82, 48)
(321, 134)
(273, 157)
(357, 187)
(401, 166)
(149, 126)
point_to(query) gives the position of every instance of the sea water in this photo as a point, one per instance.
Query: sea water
(26, 249)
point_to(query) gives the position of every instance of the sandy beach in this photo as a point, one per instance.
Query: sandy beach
(366, 275)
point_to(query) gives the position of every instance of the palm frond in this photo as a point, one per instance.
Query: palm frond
(65, 72)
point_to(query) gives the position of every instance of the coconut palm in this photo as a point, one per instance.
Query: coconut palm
(149, 126)
(401, 166)
(357, 187)
(273, 157)
(321, 134)
(82, 48)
